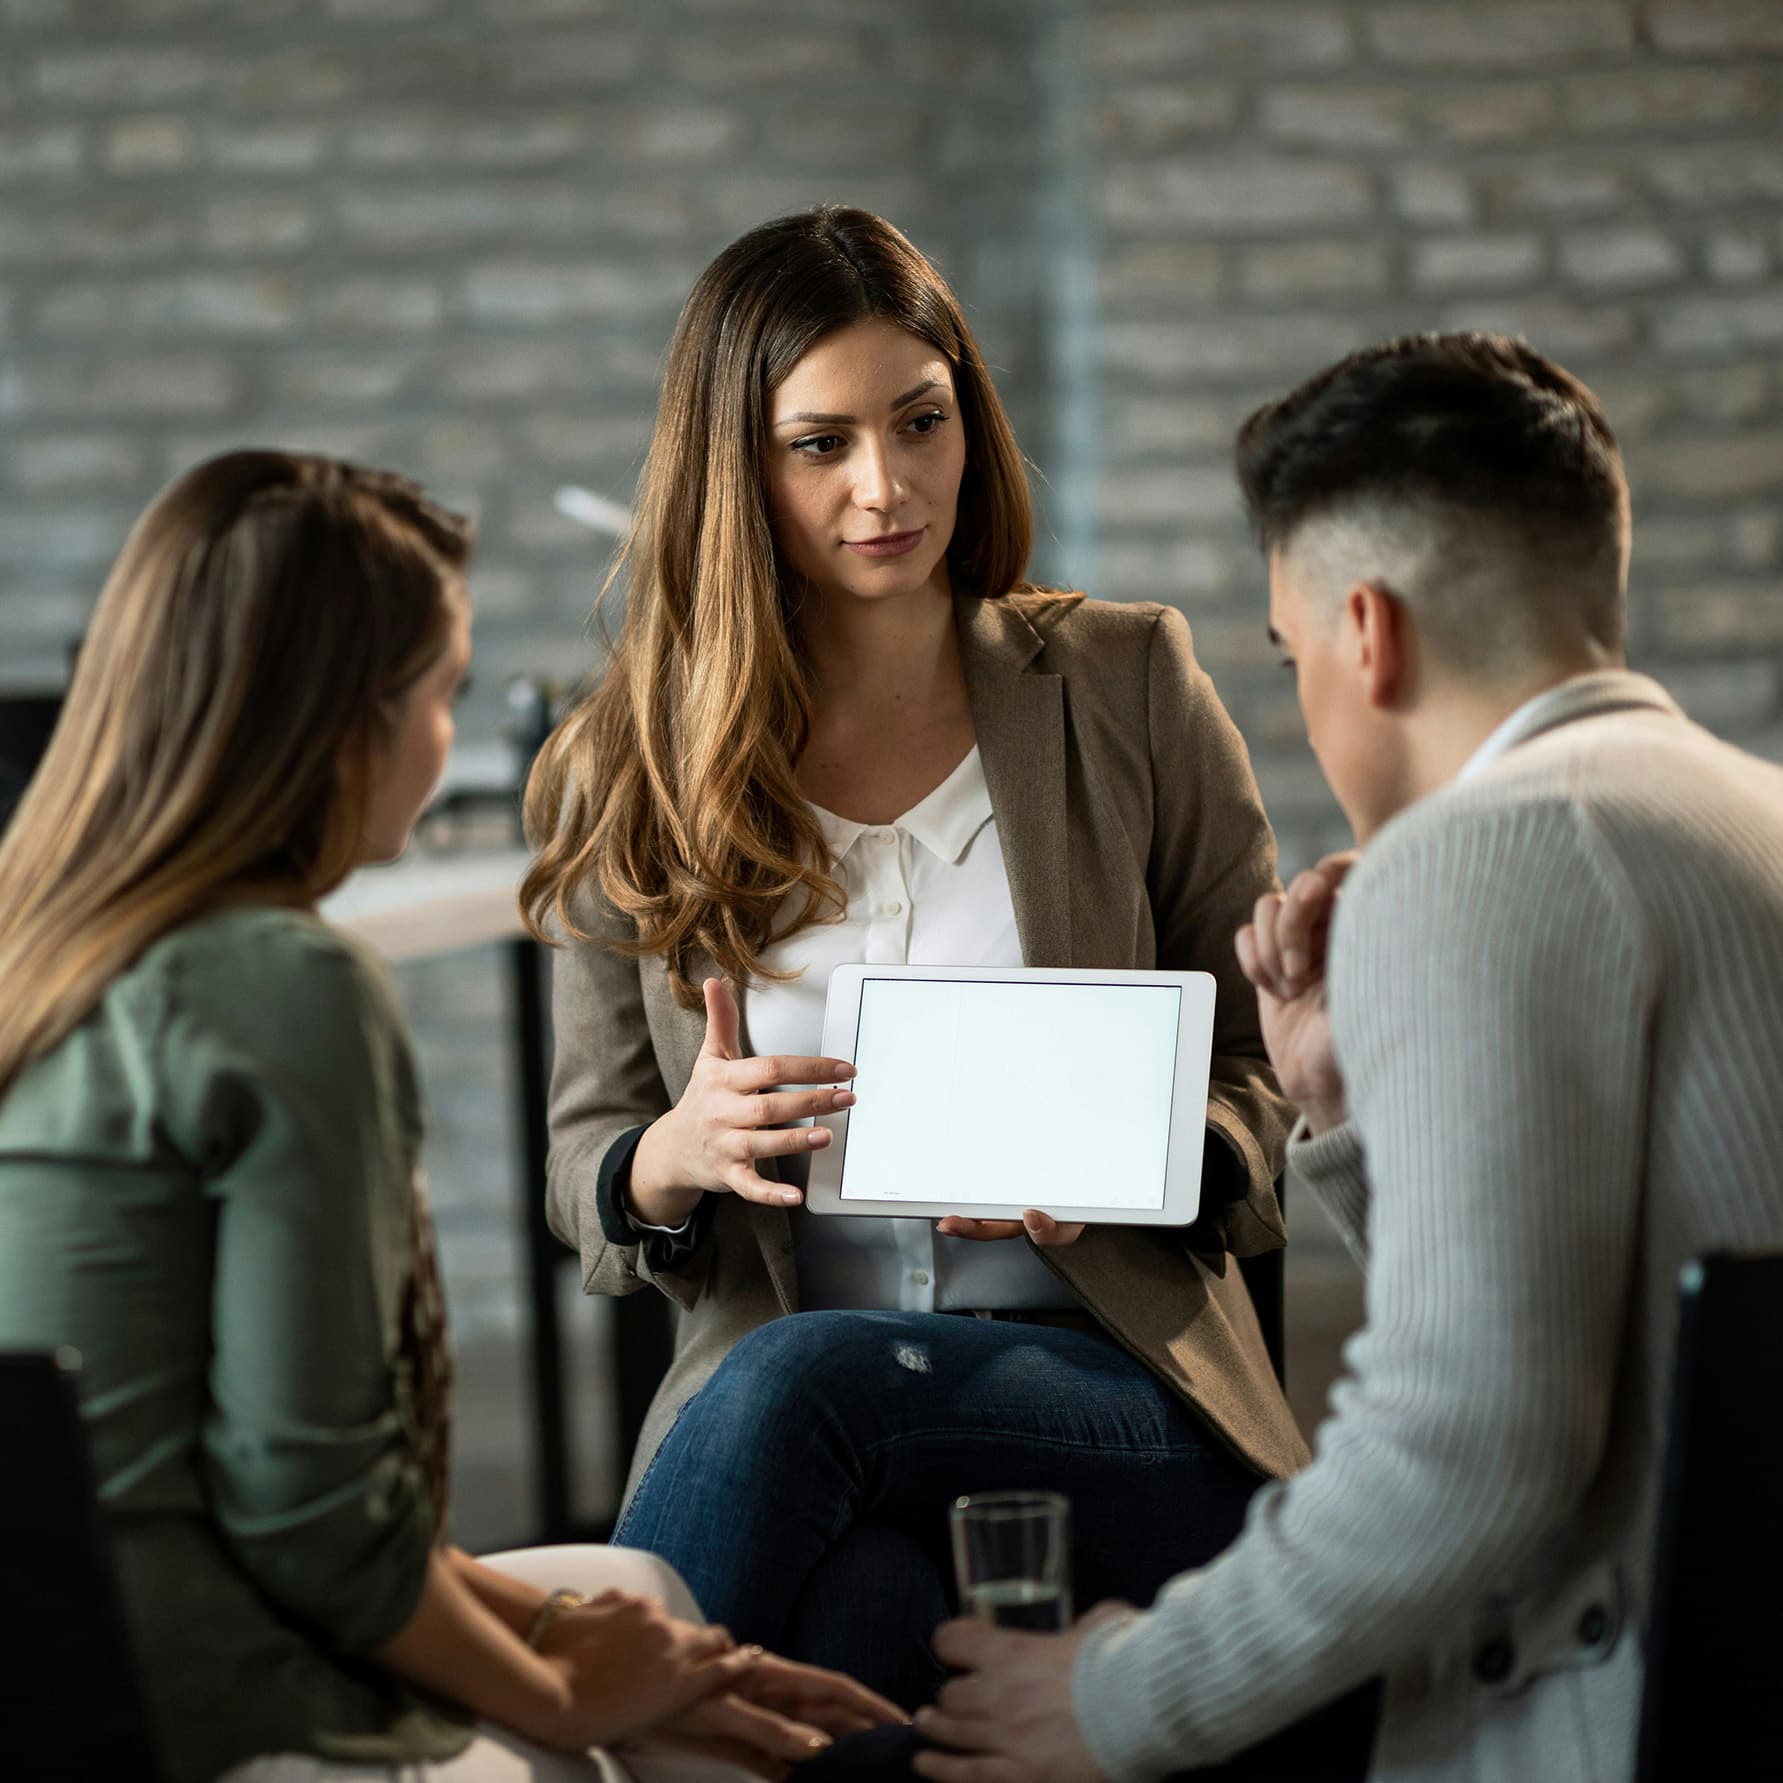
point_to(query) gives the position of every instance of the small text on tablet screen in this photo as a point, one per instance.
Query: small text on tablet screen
(1017, 1094)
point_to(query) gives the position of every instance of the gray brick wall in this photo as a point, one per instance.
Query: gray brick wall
(451, 236)
(444, 235)
(1275, 184)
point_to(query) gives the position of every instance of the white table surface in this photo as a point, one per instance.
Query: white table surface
(427, 904)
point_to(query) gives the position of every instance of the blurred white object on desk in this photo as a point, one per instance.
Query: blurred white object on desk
(423, 904)
(599, 513)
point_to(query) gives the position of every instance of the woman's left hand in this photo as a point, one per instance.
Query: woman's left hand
(1041, 1227)
(829, 1700)
(776, 1715)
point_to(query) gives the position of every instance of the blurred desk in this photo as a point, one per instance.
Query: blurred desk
(425, 905)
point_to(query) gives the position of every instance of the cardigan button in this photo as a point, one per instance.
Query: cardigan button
(1594, 1626)
(1493, 1661)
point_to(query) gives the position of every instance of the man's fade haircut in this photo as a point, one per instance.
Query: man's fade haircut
(1477, 480)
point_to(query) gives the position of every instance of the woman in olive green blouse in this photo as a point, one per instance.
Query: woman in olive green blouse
(209, 1131)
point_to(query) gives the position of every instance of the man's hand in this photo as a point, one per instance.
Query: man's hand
(1282, 952)
(1041, 1227)
(1008, 1719)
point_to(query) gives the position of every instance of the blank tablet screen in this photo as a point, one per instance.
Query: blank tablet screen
(1018, 1094)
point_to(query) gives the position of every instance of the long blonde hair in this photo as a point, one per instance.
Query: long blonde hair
(264, 614)
(670, 790)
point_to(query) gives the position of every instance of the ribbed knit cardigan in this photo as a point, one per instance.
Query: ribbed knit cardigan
(1557, 999)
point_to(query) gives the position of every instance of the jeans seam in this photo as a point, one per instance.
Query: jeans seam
(878, 1444)
(650, 1468)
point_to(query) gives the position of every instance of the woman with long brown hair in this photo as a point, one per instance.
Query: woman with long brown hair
(209, 1134)
(841, 724)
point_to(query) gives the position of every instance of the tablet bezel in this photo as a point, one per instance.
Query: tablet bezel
(1188, 1105)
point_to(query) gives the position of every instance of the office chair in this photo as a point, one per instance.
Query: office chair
(1265, 1278)
(26, 720)
(1713, 1642)
(62, 1617)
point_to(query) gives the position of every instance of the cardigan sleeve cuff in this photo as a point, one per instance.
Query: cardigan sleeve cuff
(610, 1185)
(667, 1249)
(1109, 1705)
(1332, 1164)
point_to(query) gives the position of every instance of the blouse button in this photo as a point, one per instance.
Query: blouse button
(894, 908)
(920, 1277)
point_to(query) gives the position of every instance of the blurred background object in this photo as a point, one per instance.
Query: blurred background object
(26, 721)
(451, 236)
(599, 513)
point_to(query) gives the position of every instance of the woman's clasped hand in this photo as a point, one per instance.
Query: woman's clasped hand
(629, 1669)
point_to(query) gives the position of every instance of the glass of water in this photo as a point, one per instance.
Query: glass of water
(1012, 1558)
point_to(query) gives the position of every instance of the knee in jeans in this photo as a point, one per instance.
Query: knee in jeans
(811, 1360)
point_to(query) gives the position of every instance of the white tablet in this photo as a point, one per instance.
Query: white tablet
(987, 1090)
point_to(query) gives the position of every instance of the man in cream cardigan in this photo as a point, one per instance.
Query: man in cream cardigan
(1541, 1068)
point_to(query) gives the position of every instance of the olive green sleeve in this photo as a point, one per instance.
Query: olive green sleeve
(290, 1086)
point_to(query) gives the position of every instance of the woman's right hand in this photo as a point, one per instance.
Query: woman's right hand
(730, 1117)
(625, 1664)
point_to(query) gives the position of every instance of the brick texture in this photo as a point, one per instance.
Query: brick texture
(453, 234)
(449, 234)
(1603, 177)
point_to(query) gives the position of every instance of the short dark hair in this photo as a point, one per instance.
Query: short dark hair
(1477, 421)
(1496, 460)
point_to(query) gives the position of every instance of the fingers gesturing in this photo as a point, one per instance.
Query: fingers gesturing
(1282, 949)
(734, 1113)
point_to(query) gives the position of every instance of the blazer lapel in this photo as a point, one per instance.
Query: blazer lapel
(1019, 716)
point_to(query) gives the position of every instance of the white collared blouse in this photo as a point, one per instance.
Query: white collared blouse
(928, 889)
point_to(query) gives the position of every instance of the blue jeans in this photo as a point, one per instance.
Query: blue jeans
(803, 1492)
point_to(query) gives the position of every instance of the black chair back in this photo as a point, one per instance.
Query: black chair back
(1713, 1641)
(1265, 1279)
(26, 720)
(69, 1658)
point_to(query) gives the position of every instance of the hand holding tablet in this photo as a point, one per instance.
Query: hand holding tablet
(1041, 1227)
(984, 1091)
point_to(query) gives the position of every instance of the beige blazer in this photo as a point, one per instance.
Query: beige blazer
(1134, 837)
